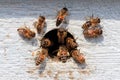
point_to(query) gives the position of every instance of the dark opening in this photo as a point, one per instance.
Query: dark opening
(52, 35)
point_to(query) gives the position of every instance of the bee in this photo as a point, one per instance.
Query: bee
(71, 44)
(40, 25)
(61, 16)
(45, 42)
(79, 57)
(61, 34)
(63, 54)
(92, 22)
(86, 25)
(41, 56)
(92, 28)
(92, 33)
(25, 32)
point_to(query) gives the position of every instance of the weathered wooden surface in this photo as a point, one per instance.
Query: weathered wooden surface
(102, 54)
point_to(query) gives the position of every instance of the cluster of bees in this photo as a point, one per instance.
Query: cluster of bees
(59, 42)
(39, 25)
(91, 28)
(62, 45)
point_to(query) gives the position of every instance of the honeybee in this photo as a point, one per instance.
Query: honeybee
(41, 56)
(92, 28)
(40, 25)
(45, 42)
(61, 16)
(25, 32)
(92, 22)
(63, 54)
(79, 57)
(61, 33)
(71, 44)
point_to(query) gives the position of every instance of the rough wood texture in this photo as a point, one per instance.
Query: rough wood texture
(102, 54)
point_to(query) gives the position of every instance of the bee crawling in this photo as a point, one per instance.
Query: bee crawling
(61, 34)
(41, 56)
(92, 28)
(45, 42)
(40, 25)
(62, 17)
(79, 57)
(63, 54)
(25, 32)
(71, 44)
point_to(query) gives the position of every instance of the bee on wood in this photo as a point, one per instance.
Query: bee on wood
(40, 25)
(94, 21)
(25, 32)
(63, 54)
(79, 57)
(71, 44)
(92, 28)
(62, 16)
(41, 56)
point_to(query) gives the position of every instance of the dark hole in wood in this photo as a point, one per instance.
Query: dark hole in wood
(52, 35)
